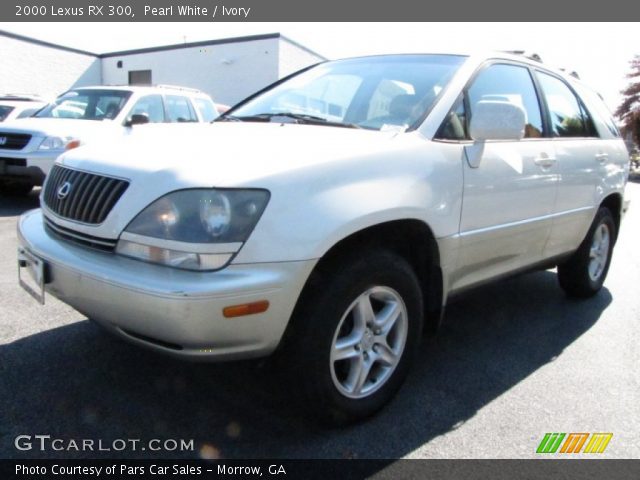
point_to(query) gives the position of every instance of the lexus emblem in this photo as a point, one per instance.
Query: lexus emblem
(64, 190)
(3, 140)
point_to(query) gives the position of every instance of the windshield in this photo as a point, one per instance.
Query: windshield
(87, 105)
(373, 92)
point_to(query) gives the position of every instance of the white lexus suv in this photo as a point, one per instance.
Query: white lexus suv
(29, 146)
(329, 217)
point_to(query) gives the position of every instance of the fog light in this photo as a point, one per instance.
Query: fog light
(72, 144)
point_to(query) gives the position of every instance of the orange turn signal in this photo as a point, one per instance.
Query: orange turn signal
(72, 144)
(245, 309)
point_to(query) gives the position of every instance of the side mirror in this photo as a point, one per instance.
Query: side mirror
(137, 119)
(497, 120)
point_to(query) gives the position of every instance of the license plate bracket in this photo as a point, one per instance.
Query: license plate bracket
(35, 279)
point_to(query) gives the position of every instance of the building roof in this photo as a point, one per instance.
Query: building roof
(42, 43)
(162, 48)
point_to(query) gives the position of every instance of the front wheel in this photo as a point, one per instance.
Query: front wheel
(356, 335)
(584, 273)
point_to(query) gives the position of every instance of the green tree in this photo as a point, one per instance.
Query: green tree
(629, 110)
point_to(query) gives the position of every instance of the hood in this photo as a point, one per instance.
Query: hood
(162, 158)
(225, 153)
(58, 127)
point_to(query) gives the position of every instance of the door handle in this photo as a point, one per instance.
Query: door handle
(602, 157)
(544, 160)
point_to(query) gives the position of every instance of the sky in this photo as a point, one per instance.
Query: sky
(598, 52)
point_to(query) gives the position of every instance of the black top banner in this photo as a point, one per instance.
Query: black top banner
(323, 11)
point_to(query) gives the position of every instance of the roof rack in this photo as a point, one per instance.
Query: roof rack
(573, 73)
(20, 97)
(178, 87)
(530, 55)
(171, 87)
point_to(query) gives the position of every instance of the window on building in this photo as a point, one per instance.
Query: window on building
(140, 77)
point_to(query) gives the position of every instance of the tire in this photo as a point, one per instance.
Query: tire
(338, 319)
(584, 273)
(15, 189)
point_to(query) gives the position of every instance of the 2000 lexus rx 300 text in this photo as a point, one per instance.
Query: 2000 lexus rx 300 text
(330, 216)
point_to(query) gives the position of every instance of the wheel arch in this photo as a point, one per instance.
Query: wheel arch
(403, 237)
(614, 203)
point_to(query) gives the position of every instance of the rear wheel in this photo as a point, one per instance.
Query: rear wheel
(584, 273)
(356, 335)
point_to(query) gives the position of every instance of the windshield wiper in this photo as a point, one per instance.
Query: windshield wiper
(226, 118)
(298, 117)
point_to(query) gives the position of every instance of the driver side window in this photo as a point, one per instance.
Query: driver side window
(509, 83)
(499, 82)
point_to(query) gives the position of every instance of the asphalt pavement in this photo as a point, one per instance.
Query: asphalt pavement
(513, 361)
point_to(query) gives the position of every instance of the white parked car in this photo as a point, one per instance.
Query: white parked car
(330, 217)
(14, 106)
(29, 146)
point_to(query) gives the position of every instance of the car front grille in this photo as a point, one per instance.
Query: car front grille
(13, 141)
(81, 196)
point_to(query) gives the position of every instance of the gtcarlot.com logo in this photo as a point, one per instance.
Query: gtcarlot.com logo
(44, 443)
(574, 443)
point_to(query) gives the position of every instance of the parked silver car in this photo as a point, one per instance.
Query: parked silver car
(29, 146)
(13, 106)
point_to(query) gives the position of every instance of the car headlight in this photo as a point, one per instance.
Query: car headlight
(195, 229)
(59, 143)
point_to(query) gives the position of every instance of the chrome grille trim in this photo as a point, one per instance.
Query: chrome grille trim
(91, 198)
(104, 244)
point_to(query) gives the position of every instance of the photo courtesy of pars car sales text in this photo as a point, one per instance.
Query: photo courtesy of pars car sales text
(116, 470)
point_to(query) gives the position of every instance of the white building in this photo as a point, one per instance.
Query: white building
(228, 69)
(32, 66)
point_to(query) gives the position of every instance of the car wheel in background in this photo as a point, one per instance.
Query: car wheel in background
(584, 273)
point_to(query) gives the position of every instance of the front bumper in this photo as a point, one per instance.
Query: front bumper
(31, 167)
(177, 312)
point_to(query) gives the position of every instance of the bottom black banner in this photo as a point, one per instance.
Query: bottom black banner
(322, 469)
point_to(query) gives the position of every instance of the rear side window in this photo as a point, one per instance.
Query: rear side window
(598, 109)
(206, 108)
(151, 106)
(179, 109)
(568, 116)
(509, 83)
